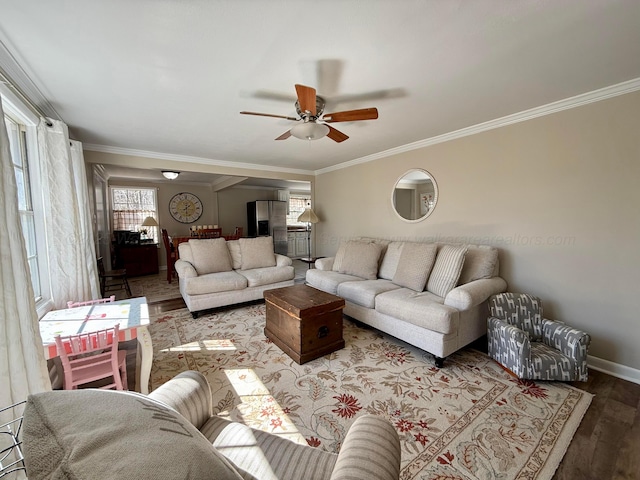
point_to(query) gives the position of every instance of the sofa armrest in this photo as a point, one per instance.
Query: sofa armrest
(283, 261)
(325, 263)
(509, 346)
(475, 292)
(185, 270)
(370, 451)
(570, 341)
(189, 394)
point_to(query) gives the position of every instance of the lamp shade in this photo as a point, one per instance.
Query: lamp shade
(309, 131)
(149, 222)
(308, 216)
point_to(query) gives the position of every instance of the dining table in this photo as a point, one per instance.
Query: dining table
(132, 316)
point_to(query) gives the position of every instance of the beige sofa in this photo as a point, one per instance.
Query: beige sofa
(173, 434)
(433, 296)
(215, 272)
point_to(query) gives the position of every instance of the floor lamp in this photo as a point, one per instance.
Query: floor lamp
(309, 217)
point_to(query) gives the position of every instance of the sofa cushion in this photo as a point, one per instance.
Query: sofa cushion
(390, 260)
(257, 252)
(364, 292)
(236, 255)
(97, 434)
(214, 283)
(358, 258)
(264, 276)
(423, 309)
(446, 270)
(327, 280)
(415, 264)
(480, 261)
(210, 255)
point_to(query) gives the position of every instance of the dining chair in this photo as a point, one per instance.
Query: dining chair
(88, 357)
(171, 255)
(210, 233)
(112, 280)
(72, 304)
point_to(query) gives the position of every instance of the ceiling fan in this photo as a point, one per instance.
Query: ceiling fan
(312, 124)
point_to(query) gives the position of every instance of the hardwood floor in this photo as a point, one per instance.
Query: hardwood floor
(606, 445)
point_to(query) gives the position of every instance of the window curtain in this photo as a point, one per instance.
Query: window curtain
(23, 369)
(71, 251)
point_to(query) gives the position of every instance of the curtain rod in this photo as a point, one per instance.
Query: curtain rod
(7, 81)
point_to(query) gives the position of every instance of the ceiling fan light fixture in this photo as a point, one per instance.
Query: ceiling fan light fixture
(170, 175)
(310, 131)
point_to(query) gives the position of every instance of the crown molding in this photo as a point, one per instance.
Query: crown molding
(19, 81)
(566, 104)
(185, 158)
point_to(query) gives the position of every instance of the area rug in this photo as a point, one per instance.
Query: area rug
(155, 287)
(468, 420)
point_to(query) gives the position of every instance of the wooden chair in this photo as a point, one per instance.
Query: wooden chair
(112, 280)
(172, 255)
(88, 357)
(72, 304)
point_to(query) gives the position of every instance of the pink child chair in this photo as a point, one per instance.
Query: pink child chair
(88, 357)
(72, 304)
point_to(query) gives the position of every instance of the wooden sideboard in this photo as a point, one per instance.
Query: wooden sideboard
(137, 259)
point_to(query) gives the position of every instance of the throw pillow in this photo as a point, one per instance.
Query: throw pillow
(446, 270)
(359, 259)
(257, 252)
(390, 259)
(236, 254)
(479, 262)
(415, 264)
(210, 255)
(97, 434)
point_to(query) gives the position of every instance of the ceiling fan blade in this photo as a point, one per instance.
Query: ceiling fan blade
(270, 115)
(336, 135)
(351, 115)
(306, 99)
(285, 135)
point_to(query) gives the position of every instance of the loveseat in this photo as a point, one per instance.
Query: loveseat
(172, 434)
(431, 295)
(215, 272)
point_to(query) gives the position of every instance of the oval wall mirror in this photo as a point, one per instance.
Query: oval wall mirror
(414, 195)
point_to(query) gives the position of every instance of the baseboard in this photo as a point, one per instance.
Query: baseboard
(614, 369)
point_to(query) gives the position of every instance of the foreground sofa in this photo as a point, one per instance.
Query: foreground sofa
(172, 434)
(433, 296)
(215, 272)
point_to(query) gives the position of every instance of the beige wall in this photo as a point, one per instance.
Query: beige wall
(233, 205)
(559, 195)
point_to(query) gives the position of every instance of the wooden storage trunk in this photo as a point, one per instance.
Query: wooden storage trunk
(304, 322)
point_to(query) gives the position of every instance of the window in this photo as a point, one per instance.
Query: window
(18, 147)
(297, 204)
(131, 206)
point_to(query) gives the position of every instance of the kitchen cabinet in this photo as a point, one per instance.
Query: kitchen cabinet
(297, 244)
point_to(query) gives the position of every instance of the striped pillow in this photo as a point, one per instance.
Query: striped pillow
(446, 271)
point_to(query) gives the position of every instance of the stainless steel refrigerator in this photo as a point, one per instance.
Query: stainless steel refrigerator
(269, 218)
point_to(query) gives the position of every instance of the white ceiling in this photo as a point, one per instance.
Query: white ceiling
(171, 77)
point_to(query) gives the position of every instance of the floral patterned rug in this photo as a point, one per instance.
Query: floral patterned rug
(468, 420)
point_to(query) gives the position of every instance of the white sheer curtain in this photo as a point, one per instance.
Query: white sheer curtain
(23, 369)
(71, 250)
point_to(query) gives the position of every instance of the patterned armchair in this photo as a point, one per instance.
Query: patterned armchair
(531, 346)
